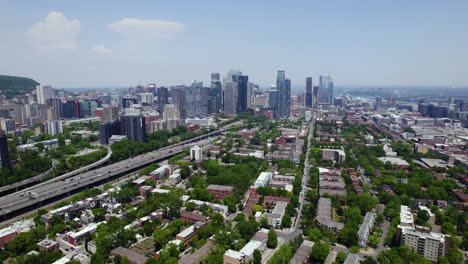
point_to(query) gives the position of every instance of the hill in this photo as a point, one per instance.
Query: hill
(14, 85)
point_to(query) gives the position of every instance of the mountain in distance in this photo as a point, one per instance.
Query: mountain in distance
(15, 85)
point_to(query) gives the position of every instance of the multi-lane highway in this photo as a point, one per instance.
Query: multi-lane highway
(26, 200)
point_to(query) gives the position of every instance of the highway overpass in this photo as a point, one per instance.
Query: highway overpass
(58, 188)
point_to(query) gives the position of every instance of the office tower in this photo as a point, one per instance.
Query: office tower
(56, 108)
(315, 96)
(110, 113)
(230, 98)
(308, 95)
(196, 101)
(171, 111)
(54, 127)
(128, 102)
(326, 89)
(215, 94)
(107, 129)
(7, 125)
(242, 93)
(44, 93)
(163, 98)
(4, 158)
(133, 126)
(88, 106)
(284, 95)
(178, 98)
(196, 84)
(273, 96)
(71, 108)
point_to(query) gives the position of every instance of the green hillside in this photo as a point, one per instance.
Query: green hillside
(14, 85)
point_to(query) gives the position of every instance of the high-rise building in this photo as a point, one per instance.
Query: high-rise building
(147, 98)
(178, 98)
(7, 125)
(250, 93)
(196, 153)
(88, 106)
(128, 102)
(54, 127)
(378, 102)
(315, 96)
(308, 95)
(107, 129)
(284, 95)
(196, 101)
(56, 109)
(326, 94)
(171, 111)
(110, 113)
(71, 108)
(230, 98)
(151, 88)
(163, 98)
(215, 94)
(273, 96)
(133, 126)
(44, 93)
(4, 158)
(242, 93)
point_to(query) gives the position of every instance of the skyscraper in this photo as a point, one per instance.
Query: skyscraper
(171, 111)
(196, 101)
(215, 94)
(178, 98)
(284, 95)
(326, 94)
(43, 93)
(71, 108)
(308, 95)
(273, 96)
(163, 98)
(4, 158)
(230, 98)
(56, 109)
(242, 86)
(315, 96)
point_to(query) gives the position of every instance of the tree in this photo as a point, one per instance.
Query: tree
(257, 256)
(272, 239)
(257, 208)
(340, 257)
(423, 217)
(264, 222)
(320, 251)
(348, 236)
(230, 202)
(286, 222)
(160, 238)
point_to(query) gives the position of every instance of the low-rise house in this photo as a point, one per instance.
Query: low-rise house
(302, 254)
(219, 191)
(48, 245)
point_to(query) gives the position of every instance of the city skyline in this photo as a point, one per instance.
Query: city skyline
(69, 46)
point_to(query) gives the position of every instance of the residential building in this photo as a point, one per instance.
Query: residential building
(302, 255)
(352, 259)
(43, 93)
(337, 155)
(196, 153)
(219, 191)
(366, 228)
(324, 215)
(133, 126)
(284, 95)
(110, 113)
(54, 127)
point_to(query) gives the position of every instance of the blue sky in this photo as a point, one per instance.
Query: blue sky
(121, 43)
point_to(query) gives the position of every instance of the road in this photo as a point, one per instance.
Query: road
(65, 186)
(290, 233)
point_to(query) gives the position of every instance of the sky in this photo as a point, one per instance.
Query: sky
(114, 43)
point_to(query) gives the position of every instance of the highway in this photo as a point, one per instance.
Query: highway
(27, 199)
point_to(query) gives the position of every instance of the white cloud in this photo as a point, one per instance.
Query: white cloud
(133, 27)
(56, 31)
(102, 49)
